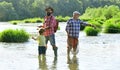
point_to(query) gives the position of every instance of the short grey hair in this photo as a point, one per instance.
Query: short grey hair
(76, 12)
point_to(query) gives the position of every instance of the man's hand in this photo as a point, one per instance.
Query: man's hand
(33, 38)
(40, 26)
(47, 28)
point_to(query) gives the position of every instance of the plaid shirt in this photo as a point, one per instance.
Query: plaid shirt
(73, 27)
(49, 22)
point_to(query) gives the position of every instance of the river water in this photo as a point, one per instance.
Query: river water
(100, 52)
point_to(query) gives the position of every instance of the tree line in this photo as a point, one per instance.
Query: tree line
(106, 12)
(21, 9)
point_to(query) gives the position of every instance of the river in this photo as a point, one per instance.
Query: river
(100, 52)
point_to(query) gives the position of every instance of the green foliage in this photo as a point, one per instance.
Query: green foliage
(35, 20)
(0, 37)
(111, 11)
(108, 16)
(27, 21)
(7, 11)
(11, 35)
(91, 31)
(118, 26)
(112, 26)
(95, 22)
(14, 23)
(82, 27)
(62, 19)
(85, 19)
(22, 9)
(113, 20)
(40, 20)
(105, 12)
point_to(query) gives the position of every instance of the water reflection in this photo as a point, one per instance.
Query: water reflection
(54, 67)
(73, 63)
(101, 49)
(43, 64)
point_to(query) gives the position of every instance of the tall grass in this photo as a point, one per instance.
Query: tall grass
(29, 20)
(11, 35)
(91, 31)
(62, 19)
(111, 28)
(96, 23)
(33, 20)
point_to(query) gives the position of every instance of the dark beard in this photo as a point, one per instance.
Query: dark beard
(48, 14)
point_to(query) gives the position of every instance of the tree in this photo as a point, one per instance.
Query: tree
(36, 8)
(7, 11)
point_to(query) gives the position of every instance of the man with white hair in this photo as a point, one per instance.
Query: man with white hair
(73, 29)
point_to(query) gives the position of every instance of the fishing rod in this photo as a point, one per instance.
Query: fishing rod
(108, 28)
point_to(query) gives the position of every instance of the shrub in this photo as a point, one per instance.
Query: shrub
(118, 26)
(14, 23)
(38, 21)
(32, 21)
(27, 21)
(100, 20)
(66, 18)
(82, 27)
(91, 31)
(11, 35)
(111, 28)
(85, 19)
(0, 37)
(97, 24)
(62, 19)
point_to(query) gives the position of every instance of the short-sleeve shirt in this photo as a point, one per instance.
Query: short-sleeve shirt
(73, 27)
(41, 40)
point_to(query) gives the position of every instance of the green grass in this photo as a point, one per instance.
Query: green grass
(91, 31)
(16, 36)
(29, 20)
(62, 19)
(15, 22)
(111, 28)
(82, 27)
(33, 20)
(40, 20)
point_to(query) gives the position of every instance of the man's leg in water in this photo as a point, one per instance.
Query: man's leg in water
(74, 44)
(69, 47)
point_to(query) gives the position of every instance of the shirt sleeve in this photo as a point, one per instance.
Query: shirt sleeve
(84, 23)
(68, 26)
